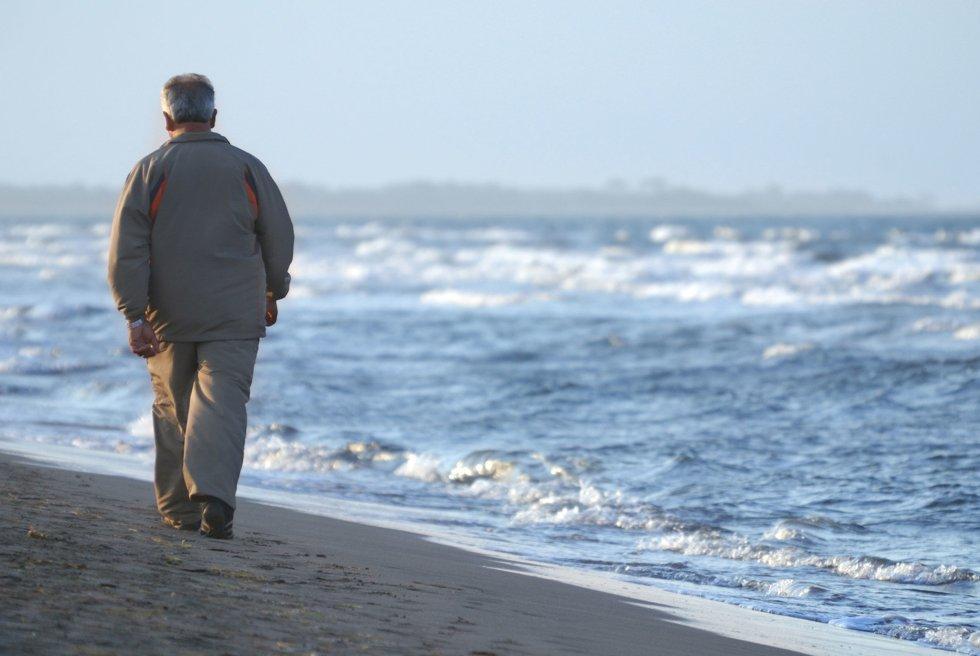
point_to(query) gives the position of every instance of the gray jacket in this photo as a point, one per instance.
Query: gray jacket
(199, 235)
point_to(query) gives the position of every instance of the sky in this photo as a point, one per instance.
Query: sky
(724, 96)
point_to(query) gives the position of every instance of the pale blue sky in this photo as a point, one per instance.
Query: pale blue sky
(719, 95)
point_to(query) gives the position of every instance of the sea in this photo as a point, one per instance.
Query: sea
(782, 414)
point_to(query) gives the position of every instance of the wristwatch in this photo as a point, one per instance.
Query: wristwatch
(136, 323)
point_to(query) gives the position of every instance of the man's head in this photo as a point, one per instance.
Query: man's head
(188, 103)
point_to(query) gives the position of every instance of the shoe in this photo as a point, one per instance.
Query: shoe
(216, 519)
(181, 526)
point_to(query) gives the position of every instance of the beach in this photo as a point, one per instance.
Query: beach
(87, 568)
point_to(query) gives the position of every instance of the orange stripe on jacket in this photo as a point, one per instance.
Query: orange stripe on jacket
(157, 199)
(251, 195)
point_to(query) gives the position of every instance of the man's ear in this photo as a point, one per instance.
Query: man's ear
(214, 117)
(169, 122)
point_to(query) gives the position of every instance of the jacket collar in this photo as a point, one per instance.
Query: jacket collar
(196, 136)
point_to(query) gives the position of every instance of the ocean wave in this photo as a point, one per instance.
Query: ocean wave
(401, 259)
(807, 526)
(51, 311)
(783, 588)
(538, 491)
(784, 350)
(934, 325)
(968, 333)
(420, 466)
(709, 542)
(685, 291)
(466, 299)
(666, 232)
(969, 237)
(786, 588)
(557, 496)
(142, 427)
(274, 450)
(791, 233)
(779, 267)
(43, 231)
(54, 364)
(775, 267)
(952, 637)
(361, 230)
(39, 260)
(481, 465)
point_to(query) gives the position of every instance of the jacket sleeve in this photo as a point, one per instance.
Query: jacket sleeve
(274, 229)
(129, 247)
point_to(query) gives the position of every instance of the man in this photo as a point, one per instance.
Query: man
(199, 254)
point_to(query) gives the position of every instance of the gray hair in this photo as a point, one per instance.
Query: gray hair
(188, 98)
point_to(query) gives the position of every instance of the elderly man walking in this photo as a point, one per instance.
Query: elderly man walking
(199, 254)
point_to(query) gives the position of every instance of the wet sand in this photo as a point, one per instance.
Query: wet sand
(86, 567)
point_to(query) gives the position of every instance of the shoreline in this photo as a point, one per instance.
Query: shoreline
(313, 583)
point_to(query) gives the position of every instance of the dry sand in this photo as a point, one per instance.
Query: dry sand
(86, 567)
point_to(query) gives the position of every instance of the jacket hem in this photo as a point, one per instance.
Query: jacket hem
(211, 337)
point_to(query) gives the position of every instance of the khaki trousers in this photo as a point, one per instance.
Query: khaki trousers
(199, 419)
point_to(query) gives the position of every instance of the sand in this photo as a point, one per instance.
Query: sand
(86, 567)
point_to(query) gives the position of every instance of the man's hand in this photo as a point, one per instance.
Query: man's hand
(271, 311)
(143, 341)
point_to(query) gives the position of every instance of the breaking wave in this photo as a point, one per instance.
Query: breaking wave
(732, 547)
(541, 492)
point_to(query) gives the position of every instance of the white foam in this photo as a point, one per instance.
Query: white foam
(665, 232)
(685, 291)
(142, 426)
(949, 637)
(422, 467)
(962, 273)
(690, 247)
(269, 449)
(42, 230)
(470, 299)
(782, 588)
(707, 542)
(932, 325)
(361, 231)
(492, 468)
(783, 532)
(794, 234)
(785, 350)
(775, 295)
(457, 265)
(859, 622)
(969, 237)
(970, 332)
(726, 233)
(955, 638)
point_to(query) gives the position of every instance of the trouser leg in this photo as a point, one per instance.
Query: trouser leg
(215, 436)
(172, 372)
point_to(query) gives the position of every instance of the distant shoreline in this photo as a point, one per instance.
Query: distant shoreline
(493, 202)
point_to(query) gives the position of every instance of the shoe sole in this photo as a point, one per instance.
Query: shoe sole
(217, 535)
